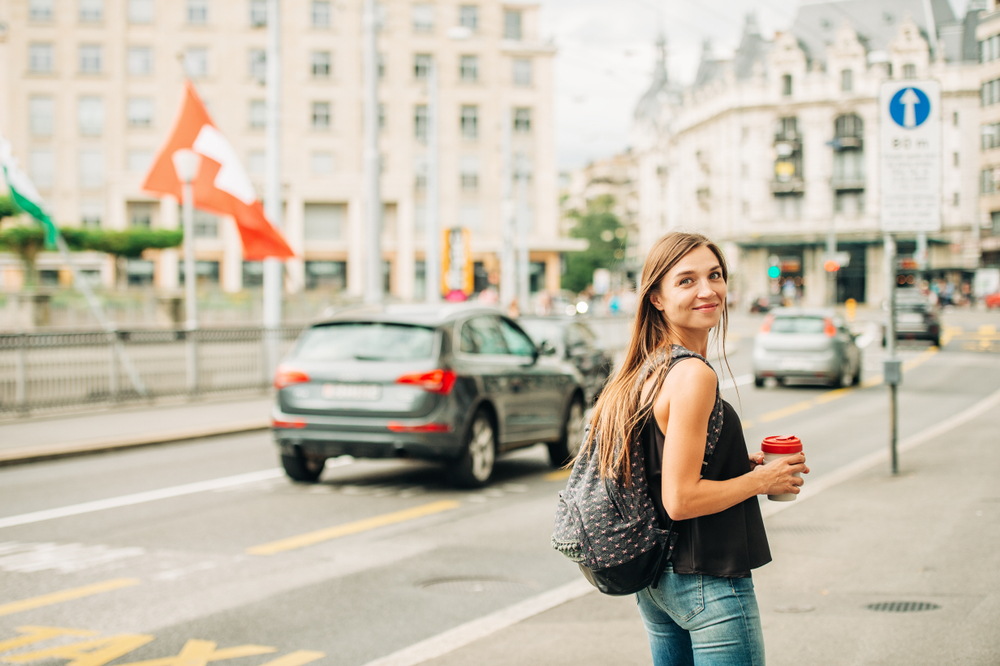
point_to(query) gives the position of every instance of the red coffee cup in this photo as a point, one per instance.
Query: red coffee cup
(781, 446)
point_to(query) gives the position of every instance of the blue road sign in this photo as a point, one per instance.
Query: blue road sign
(909, 108)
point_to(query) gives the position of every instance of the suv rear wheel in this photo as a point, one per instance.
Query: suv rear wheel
(475, 467)
(298, 467)
(564, 450)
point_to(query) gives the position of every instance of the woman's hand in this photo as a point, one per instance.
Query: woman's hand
(756, 459)
(777, 477)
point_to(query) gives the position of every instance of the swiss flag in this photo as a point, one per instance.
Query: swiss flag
(222, 185)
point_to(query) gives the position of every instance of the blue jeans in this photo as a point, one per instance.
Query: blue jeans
(699, 620)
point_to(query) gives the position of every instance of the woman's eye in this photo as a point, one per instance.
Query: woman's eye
(716, 275)
(685, 281)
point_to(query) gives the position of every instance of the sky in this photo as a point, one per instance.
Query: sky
(606, 53)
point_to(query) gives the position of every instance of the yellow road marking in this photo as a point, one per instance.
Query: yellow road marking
(318, 536)
(949, 333)
(97, 652)
(297, 658)
(66, 595)
(33, 634)
(558, 475)
(199, 653)
(987, 330)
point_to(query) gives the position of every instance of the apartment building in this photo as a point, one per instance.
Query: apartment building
(772, 149)
(988, 36)
(89, 89)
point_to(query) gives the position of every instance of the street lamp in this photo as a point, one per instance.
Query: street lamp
(186, 163)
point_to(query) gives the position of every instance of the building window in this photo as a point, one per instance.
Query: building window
(329, 275)
(512, 24)
(909, 71)
(40, 10)
(90, 115)
(990, 135)
(468, 17)
(258, 65)
(954, 118)
(205, 272)
(987, 185)
(321, 115)
(42, 167)
(91, 214)
(140, 11)
(420, 122)
(140, 215)
(786, 85)
(91, 172)
(423, 18)
(847, 80)
(138, 160)
(40, 58)
(197, 12)
(522, 72)
(468, 168)
(258, 114)
(206, 225)
(468, 68)
(321, 164)
(323, 221)
(196, 62)
(419, 185)
(140, 112)
(469, 122)
(41, 115)
(849, 203)
(381, 66)
(321, 64)
(522, 120)
(91, 11)
(421, 65)
(788, 206)
(955, 200)
(381, 117)
(90, 58)
(258, 13)
(954, 159)
(320, 14)
(140, 60)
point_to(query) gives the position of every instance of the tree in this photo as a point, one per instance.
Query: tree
(602, 228)
(7, 208)
(26, 242)
(122, 245)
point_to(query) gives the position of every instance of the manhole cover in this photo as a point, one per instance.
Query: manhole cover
(794, 608)
(474, 586)
(902, 606)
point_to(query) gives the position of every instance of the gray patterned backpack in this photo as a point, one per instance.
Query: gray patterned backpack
(611, 530)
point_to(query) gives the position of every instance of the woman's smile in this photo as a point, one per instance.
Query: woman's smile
(708, 307)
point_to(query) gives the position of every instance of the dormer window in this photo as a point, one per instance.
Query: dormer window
(786, 85)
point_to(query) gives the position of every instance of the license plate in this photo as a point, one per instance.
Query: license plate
(795, 365)
(351, 391)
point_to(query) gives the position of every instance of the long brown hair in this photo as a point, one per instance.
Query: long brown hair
(618, 413)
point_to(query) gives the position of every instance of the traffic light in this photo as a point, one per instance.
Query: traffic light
(831, 266)
(774, 272)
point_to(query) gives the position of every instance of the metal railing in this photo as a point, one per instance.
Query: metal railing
(50, 371)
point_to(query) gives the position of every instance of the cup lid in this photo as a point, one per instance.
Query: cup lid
(781, 444)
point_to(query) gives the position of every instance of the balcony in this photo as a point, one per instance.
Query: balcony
(788, 186)
(848, 182)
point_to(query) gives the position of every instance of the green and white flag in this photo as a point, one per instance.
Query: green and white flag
(23, 191)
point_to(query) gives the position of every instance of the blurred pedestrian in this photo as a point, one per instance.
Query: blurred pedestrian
(703, 609)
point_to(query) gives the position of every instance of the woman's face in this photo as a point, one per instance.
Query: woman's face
(693, 292)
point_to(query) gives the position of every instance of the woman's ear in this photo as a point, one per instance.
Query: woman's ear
(654, 299)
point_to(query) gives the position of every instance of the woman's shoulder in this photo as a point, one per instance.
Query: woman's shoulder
(693, 372)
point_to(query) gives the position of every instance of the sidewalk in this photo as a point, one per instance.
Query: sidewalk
(106, 430)
(931, 535)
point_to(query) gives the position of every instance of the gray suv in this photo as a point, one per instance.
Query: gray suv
(455, 383)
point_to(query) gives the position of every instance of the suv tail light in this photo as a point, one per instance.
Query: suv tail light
(766, 326)
(286, 376)
(829, 328)
(435, 381)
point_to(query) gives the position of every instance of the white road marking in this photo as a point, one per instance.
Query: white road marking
(139, 498)
(470, 632)
(62, 557)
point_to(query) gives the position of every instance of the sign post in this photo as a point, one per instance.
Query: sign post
(910, 156)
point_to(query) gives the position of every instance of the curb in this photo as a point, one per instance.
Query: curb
(86, 447)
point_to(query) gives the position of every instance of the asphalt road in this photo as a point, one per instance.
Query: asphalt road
(201, 552)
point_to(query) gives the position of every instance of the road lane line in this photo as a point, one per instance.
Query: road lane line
(297, 658)
(475, 630)
(558, 475)
(66, 595)
(140, 498)
(311, 538)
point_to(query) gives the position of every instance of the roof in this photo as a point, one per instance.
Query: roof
(661, 90)
(423, 314)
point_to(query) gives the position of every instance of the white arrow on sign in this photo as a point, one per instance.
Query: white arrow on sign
(909, 100)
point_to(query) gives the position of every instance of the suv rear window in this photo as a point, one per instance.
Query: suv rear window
(366, 341)
(798, 325)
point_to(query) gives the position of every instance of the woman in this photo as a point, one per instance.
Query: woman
(703, 611)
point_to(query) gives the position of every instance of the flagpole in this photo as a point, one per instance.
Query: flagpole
(273, 268)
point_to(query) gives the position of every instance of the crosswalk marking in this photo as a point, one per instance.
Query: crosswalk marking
(66, 595)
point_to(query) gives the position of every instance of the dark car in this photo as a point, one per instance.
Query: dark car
(573, 340)
(455, 383)
(916, 317)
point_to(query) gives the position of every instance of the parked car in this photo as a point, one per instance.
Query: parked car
(458, 383)
(806, 344)
(573, 341)
(916, 317)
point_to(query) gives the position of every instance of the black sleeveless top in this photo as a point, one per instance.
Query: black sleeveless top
(729, 543)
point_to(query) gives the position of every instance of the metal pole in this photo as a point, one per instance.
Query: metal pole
(523, 229)
(372, 160)
(508, 283)
(432, 254)
(831, 276)
(190, 280)
(892, 372)
(273, 268)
